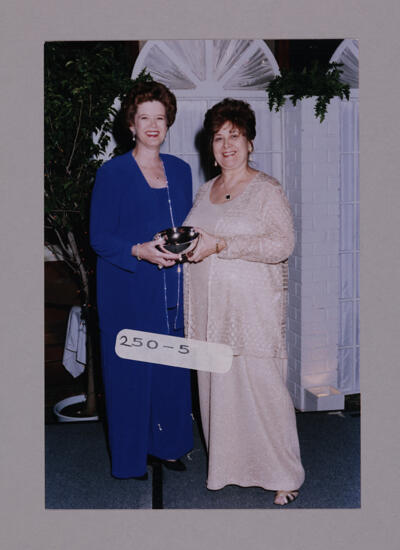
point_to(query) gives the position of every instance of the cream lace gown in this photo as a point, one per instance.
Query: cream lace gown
(247, 414)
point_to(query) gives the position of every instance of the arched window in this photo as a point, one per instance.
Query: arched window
(347, 53)
(201, 73)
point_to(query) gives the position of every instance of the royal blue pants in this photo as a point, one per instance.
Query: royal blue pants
(148, 410)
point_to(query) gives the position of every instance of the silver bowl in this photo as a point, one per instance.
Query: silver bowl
(177, 239)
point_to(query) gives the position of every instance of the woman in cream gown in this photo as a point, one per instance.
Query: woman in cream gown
(235, 293)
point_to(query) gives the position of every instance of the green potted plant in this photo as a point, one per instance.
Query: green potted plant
(322, 82)
(81, 82)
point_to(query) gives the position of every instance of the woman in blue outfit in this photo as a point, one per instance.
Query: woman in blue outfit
(139, 286)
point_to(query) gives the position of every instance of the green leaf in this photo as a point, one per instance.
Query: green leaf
(323, 82)
(81, 82)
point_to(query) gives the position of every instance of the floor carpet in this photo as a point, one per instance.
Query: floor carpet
(78, 476)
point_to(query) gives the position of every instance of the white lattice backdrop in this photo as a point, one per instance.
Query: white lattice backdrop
(201, 73)
(349, 245)
(349, 251)
(318, 166)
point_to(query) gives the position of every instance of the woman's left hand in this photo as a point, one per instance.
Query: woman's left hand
(207, 245)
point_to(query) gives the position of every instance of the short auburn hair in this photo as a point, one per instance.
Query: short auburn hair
(238, 112)
(149, 91)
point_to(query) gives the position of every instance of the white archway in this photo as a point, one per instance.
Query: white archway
(201, 73)
(347, 53)
(308, 158)
(213, 68)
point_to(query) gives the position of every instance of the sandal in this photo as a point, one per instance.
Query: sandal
(286, 497)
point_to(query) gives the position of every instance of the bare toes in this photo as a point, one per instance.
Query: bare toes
(285, 497)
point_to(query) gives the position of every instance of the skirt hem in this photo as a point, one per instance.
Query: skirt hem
(266, 486)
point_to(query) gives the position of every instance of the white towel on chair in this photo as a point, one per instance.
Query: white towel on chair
(74, 358)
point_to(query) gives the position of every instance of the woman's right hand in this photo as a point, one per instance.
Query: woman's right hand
(148, 251)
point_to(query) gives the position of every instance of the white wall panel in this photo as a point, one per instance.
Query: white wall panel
(305, 156)
(346, 281)
(357, 275)
(347, 189)
(188, 123)
(263, 140)
(348, 345)
(346, 324)
(347, 227)
(197, 172)
(346, 373)
(262, 162)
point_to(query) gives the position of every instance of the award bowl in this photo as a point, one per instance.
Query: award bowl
(177, 239)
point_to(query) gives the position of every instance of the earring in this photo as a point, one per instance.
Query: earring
(133, 135)
(251, 149)
(215, 163)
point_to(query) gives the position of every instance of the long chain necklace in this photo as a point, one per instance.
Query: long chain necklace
(169, 202)
(179, 268)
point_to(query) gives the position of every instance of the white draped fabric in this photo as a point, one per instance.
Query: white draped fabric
(74, 357)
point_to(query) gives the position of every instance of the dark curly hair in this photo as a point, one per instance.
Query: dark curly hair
(148, 91)
(238, 112)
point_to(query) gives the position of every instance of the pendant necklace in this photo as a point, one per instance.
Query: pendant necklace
(227, 195)
(152, 178)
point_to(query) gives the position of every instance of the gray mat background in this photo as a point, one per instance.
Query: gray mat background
(24, 26)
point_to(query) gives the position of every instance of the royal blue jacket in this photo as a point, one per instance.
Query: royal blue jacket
(125, 211)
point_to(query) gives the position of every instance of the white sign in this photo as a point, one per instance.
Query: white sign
(174, 351)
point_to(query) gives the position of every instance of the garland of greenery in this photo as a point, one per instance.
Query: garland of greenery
(323, 82)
